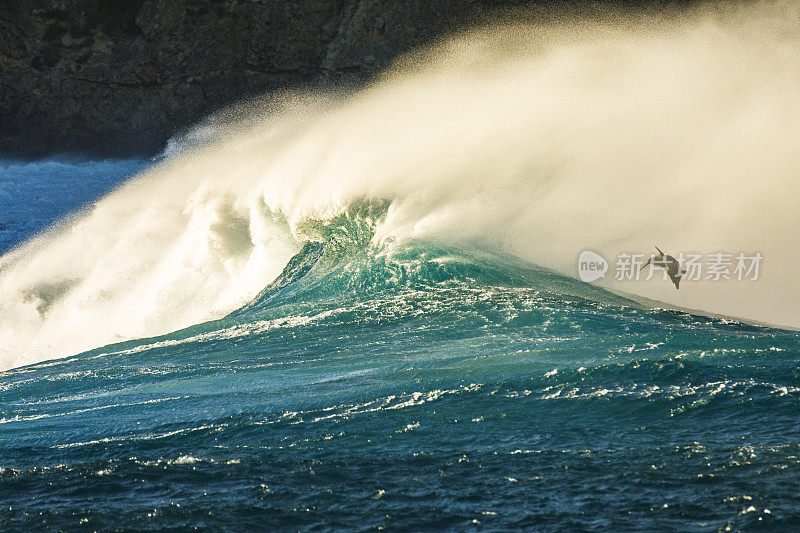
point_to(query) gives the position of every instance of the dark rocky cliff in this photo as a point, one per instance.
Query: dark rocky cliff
(121, 76)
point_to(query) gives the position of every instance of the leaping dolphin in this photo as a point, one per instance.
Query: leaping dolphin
(670, 263)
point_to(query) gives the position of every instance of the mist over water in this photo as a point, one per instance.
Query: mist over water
(538, 141)
(35, 194)
(359, 309)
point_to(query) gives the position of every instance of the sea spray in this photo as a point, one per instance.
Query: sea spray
(538, 141)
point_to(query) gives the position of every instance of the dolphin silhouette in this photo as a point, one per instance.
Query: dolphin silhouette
(668, 262)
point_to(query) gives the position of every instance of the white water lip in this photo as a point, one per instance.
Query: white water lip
(538, 141)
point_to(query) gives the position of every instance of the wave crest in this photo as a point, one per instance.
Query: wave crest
(523, 140)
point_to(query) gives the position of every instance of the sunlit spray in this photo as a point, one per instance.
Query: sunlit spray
(537, 140)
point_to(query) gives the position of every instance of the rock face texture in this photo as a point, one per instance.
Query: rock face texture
(120, 76)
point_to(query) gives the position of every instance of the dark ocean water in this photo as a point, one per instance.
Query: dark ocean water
(35, 194)
(413, 390)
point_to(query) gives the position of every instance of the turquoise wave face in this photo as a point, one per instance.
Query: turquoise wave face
(413, 389)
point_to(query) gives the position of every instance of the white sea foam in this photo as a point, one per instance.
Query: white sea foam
(26, 418)
(541, 141)
(233, 332)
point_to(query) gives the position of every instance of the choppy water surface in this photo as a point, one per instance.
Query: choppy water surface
(355, 310)
(419, 389)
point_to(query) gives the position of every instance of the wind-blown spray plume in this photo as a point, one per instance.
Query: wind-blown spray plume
(539, 141)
